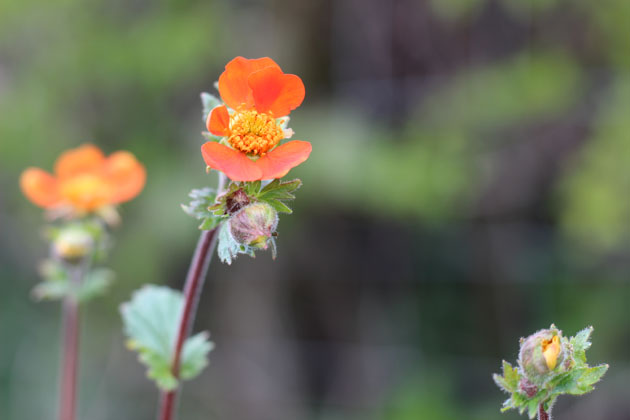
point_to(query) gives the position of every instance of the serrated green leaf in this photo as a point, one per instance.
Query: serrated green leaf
(279, 206)
(276, 184)
(509, 380)
(195, 353)
(227, 247)
(532, 408)
(580, 344)
(201, 200)
(511, 376)
(589, 377)
(150, 321)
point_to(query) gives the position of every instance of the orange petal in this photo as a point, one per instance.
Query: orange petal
(40, 187)
(280, 160)
(233, 86)
(218, 122)
(83, 159)
(126, 176)
(276, 92)
(234, 164)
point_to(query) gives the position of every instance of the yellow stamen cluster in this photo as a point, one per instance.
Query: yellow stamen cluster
(254, 133)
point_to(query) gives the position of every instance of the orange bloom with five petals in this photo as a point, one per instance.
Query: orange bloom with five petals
(259, 95)
(85, 180)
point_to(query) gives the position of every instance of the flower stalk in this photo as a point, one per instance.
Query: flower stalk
(70, 351)
(192, 291)
(542, 414)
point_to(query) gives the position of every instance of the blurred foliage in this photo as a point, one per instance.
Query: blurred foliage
(478, 86)
(595, 208)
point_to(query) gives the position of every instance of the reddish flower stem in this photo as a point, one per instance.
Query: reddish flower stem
(70, 352)
(542, 414)
(192, 291)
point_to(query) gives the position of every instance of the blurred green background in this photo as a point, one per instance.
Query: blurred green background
(469, 184)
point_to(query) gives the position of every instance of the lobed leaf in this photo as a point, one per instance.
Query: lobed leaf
(150, 321)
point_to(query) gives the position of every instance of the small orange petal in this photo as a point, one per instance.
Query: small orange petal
(234, 164)
(218, 122)
(125, 174)
(280, 160)
(276, 92)
(233, 86)
(40, 187)
(83, 159)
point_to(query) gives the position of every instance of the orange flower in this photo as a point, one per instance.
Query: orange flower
(259, 95)
(85, 180)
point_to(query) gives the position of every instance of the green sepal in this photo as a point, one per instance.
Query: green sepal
(209, 102)
(151, 321)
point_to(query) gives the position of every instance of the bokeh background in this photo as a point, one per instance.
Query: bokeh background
(469, 184)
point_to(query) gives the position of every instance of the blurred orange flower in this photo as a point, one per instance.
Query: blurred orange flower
(85, 180)
(259, 95)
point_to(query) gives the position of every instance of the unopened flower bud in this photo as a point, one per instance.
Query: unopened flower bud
(541, 353)
(73, 244)
(254, 225)
(236, 201)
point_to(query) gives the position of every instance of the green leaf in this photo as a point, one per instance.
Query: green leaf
(589, 377)
(227, 248)
(580, 344)
(51, 290)
(277, 185)
(279, 206)
(201, 199)
(276, 192)
(195, 353)
(532, 408)
(203, 206)
(151, 321)
(95, 284)
(509, 381)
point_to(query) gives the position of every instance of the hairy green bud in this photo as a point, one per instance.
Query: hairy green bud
(254, 225)
(73, 244)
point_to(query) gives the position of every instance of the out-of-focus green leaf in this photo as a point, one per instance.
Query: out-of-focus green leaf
(151, 321)
(95, 284)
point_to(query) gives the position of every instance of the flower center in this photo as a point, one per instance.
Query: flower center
(254, 133)
(86, 192)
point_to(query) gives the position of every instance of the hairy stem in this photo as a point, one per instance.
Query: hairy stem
(70, 351)
(542, 414)
(192, 290)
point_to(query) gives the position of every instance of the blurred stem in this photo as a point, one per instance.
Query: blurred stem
(542, 414)
(192, 291)
(70, 350)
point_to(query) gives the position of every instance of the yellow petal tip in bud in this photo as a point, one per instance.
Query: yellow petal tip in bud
(551, 350)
